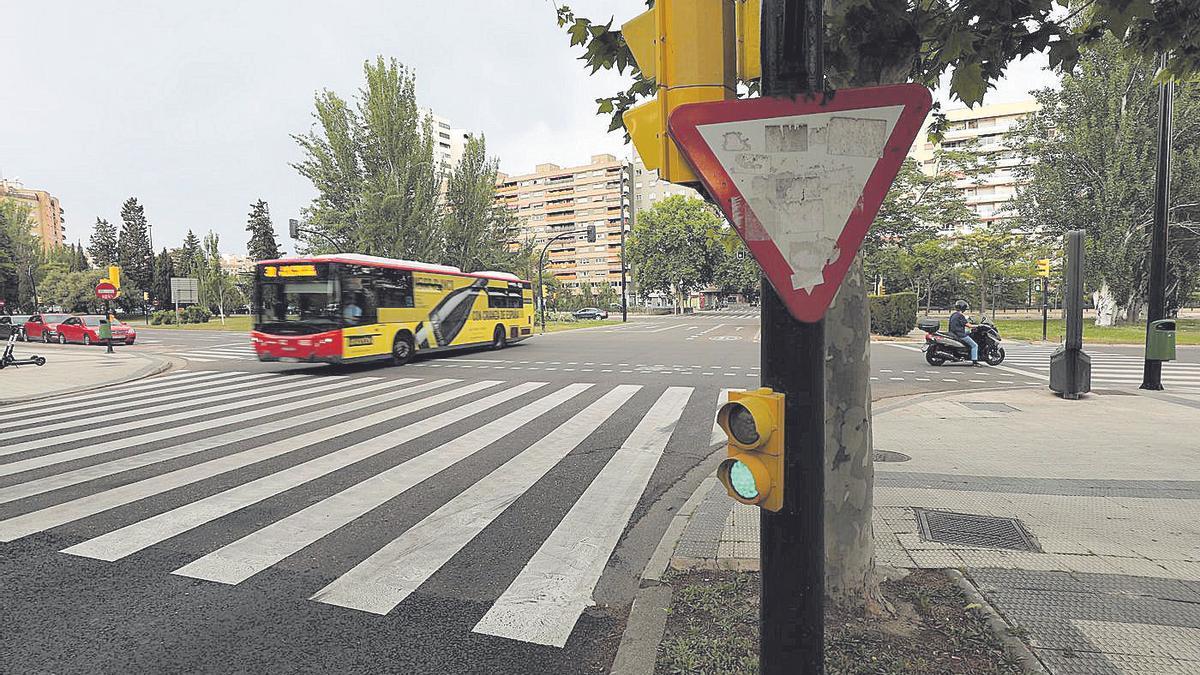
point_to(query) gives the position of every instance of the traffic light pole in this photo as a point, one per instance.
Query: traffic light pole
(792, 548)
(626, 182)
(1045, 305)
(1156, 302)
(108, 318)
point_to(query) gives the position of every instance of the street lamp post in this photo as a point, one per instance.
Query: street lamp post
(541, 263)
(1156, 301)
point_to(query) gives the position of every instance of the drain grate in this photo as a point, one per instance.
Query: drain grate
(970, 529)
(989, 406)
(889, 456)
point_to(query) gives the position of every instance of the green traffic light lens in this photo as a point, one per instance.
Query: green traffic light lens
(741, 425)
(742, 480)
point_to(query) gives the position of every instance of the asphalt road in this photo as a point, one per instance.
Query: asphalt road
(487, 512)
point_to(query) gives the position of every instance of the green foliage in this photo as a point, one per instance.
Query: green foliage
(196, 314)
(191, 258)
(893, 314)
(1090, 156)
(217, 288)
(262, 244)
(672, 245)
(164, 269)
(73, 291)
(476, 228)
(133, 247)
(20, 255)
(881, 41)
(103, 244)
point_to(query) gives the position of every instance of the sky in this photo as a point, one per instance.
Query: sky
(190, 106)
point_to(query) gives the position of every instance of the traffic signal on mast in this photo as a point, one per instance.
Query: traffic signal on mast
(114, 277)
(688, 48)
(1043, 267)
(753, 471)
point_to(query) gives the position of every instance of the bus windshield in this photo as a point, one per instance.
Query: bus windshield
(297, 307)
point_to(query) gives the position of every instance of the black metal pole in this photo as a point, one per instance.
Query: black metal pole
(1156, 305)
(108, 319)
(626, 182)
(792, 548)
(541, 264)
(1045, 305)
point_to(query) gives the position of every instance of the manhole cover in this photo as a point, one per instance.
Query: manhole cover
(989, 406)
(889, 456)
(974, 530)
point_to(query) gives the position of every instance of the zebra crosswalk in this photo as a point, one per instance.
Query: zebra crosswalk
(1109, 369)
(181, 456)
(226, 352)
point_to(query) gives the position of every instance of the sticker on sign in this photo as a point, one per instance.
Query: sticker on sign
(801, 180)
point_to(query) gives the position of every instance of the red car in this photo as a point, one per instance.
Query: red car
(86, 329)
(44, 327)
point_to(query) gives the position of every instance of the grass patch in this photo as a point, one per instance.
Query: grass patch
(1188, 332)
(713, 628)
(556, 326)
(239, 324)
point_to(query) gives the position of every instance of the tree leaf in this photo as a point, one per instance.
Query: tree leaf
(967, 83)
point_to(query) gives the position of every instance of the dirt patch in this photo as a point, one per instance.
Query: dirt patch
(713, 628)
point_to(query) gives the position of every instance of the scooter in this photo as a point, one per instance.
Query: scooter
(9, 360)
(942, 347)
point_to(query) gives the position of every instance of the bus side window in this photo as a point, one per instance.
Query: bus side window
(395, 289)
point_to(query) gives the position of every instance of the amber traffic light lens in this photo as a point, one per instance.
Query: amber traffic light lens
(741, 425)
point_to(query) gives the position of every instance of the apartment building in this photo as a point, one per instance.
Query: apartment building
(46, 214)
(448, 142)
(649, 189)
(983, 128)
(554, 200)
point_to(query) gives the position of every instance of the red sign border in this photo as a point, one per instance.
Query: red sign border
(106, 286)
(684, 123)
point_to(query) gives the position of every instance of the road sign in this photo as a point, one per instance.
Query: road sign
(801, 180)
(185, 290)
(106, 291)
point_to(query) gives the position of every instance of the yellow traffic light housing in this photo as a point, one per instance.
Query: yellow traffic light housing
(687, 47)
(749, 35)
(114, 276)
(753, 471)
(1043, 267)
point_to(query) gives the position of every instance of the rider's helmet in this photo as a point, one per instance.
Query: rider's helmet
(960, 305)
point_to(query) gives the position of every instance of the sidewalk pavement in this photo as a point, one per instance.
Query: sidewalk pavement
(73, 369)
(1106, 491)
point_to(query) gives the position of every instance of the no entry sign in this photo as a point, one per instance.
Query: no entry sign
(801, 180)
(106, 291)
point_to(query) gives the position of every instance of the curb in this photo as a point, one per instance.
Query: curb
(157, 366)
(648, 616)
(1013, 646)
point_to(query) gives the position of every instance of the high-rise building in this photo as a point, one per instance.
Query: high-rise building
(648, 188)
(984, 129)
(554, 200)
(448, 142)
(46, 215)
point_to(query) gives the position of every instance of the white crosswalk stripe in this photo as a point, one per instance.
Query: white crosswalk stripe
(1109, 368)
(260, 437)
(227, 352)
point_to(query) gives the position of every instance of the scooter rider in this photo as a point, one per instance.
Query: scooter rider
(960, 328)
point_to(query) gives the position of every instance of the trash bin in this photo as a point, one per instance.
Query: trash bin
(105, 331)
(1160, 340)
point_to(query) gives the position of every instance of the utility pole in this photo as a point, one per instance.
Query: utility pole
(1156, 302)
(792, 548)
(1045, 306)
(626, 191)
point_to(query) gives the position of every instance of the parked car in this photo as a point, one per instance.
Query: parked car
(18, 322)
(590, 313)
(86, 330)
(44, 327)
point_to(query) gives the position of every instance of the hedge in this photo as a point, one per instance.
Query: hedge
(191, 314)
(894, 314)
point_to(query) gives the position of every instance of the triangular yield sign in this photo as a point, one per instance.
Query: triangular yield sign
(801, 180)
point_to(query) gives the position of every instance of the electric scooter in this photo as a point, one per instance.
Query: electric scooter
(9, 360)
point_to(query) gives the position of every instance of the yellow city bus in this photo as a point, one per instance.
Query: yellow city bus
(347, 307)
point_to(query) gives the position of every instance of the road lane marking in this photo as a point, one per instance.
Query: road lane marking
(123, 397)
(257, 551)
(105, 394)
(87, 473)
(544, 602)
(392, 573)
(60, 514)
(137, 536)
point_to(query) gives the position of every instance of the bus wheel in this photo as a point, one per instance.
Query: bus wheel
(402, 349)
(499, 338)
